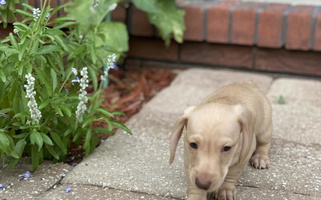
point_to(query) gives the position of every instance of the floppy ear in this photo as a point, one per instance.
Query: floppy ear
(245, 118)
(177, 132)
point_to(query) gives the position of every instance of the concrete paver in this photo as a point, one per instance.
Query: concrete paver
(92, 192)
(191, 86)
(299, 118)
(133, 163)
(47, 175)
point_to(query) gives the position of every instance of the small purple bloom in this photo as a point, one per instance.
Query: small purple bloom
(2, 187)
(24, 176)
(115, 67)
(73, 164)
(77, 80)
(2, 2)
(68, 189)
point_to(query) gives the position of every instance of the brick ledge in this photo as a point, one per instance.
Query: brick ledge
(260, 24)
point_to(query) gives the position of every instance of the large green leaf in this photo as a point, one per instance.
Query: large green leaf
(169, 19)
(114, 35)
(146, 5)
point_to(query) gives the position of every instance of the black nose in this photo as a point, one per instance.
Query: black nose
(202, 184)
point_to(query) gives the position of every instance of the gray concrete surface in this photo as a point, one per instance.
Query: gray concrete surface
(136, 167)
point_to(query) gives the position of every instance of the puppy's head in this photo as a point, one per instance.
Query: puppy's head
(216, 138)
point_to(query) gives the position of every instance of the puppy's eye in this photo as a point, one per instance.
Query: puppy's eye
(193, 145)
(226, 148)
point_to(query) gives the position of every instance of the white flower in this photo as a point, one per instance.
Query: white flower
(74, 71)
(2, 2)
(32, 104)
(36, 12)
(15, 31)
(110, 65)
(81, 108)
(95, 3)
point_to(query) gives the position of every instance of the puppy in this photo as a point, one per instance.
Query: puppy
(230, 127)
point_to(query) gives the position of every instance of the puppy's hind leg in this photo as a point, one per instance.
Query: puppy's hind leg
(260, 159)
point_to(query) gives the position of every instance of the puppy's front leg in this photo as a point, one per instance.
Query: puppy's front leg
(194, 193)
(227, 191)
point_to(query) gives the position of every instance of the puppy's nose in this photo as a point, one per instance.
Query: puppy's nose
(203, 184)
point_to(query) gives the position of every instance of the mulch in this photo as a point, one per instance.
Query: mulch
(128, 91)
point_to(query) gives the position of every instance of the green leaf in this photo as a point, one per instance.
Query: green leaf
(13, 40)
(121, 126)
(104, 130)
(88, 121)
(66, 110)
(146, 5)
(87, 142)
(105, 112)
(20, 146)
(46, 139)
(58, 141)
(114, 35)
(44, 103)
(53, 79)
(22, 12)
(48, 49)
(35, 157)
(281, 99)
(169, 19)
(3, 75)
(5, 145)
(35, 138)
(52, 151)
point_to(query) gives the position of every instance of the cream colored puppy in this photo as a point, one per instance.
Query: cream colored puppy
(222, 133)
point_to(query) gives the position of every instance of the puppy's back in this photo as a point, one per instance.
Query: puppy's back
(246, 94)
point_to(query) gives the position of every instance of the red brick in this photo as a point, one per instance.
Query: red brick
(270, 26)
(297, 62)
(140, 25)
(317, 35)
(133, 64)
(4, 32)
(194, 23)
(54, 4)
(119, 14)
(218, 21)
(32, 3)
(216, 54)
(152, 49)
(299, 27)
(243, 25)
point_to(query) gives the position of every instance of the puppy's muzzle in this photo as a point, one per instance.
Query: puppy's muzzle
(203, 184)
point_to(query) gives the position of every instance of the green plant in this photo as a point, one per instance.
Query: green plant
(44, 106)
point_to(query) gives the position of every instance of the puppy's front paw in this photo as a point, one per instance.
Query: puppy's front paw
(226, 193)
(260, 162)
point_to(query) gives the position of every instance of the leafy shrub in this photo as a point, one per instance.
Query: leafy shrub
(45, 73)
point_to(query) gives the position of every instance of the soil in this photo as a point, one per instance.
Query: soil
(127, 92)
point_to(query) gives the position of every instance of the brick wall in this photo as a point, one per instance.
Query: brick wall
(229, 33)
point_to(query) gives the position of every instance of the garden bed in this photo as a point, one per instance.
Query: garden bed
(127, 92)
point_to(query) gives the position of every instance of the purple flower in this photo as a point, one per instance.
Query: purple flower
(2, 187)
(77, 80)
(24, 176)
(68, 189)
(2, 2)
(73, 164)
(115, 67)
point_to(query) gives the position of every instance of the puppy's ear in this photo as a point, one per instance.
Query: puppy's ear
(177, 132)
(245, 118)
